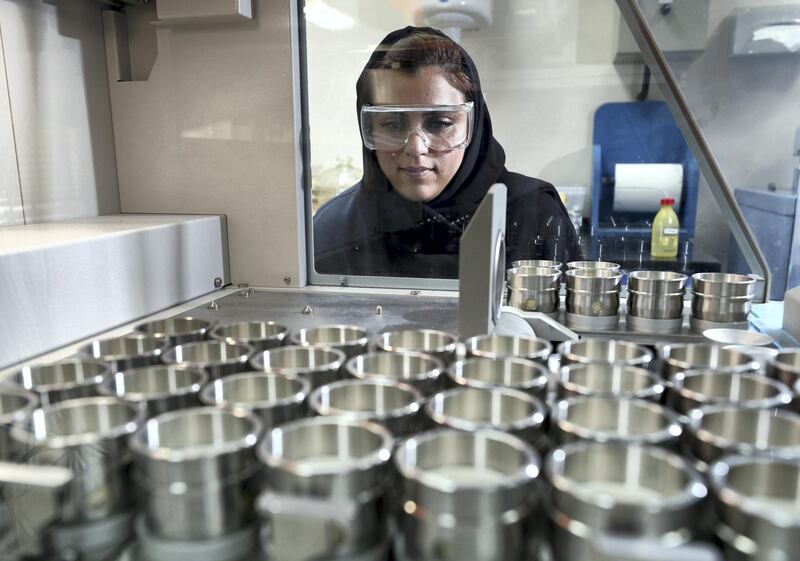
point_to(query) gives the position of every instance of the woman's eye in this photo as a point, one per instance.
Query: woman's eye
(439, 125)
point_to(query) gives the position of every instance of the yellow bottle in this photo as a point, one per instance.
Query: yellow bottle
(664, 241)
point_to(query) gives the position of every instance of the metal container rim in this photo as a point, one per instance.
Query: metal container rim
(32, 402)
(777, 362)
(88, 349)
(645, 355)
(534, 420)
(723, 278)
(207, 393)
(694, 490)
(601, 265)
(138, 441)
(730, 497)
(672, 430)
(528, 471)
(205, 327)
(657, 387)
(666, 355)
(545, 350)
(783, 395)
(109, 386)
(335, 360)
(450, 346)
(297, 337)
(21, 430)
(315, 400)
(377, 457)
(217, 335)
(455, 372)
(96, 379)
(244, 350)
(432, 373)
(703, 434)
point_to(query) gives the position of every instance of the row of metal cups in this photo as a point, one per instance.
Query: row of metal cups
(655, 298)
(589, 413)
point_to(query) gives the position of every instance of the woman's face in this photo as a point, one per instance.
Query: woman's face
(415, 172)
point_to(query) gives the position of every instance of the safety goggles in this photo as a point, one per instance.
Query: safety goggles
(442, 128)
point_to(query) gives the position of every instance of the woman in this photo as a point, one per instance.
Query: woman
(429, 159)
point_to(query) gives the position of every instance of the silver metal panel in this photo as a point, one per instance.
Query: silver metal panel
(67, 280)
(482, 265)
(399, 309)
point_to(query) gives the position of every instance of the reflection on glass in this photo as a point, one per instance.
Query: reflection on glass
(573, 103)
(429, 157)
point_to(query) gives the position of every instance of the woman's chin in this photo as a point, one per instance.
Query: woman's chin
(418, 192)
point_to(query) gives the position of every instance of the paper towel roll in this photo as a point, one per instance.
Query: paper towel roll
(640, 187)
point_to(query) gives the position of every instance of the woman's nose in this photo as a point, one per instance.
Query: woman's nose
(415, 145)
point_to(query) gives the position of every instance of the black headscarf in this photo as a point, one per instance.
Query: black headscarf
(371, 229)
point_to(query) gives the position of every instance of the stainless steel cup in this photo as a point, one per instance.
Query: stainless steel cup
(15, 405)
(537, 263)
(439, 344)
(656, 294)
(722, 297)
(318, 365)
(416, 369)
(216, 358)
(261, 335)
(158, 388)
(715, 431)
(695, 388)
(349, 339)
(504, 372)
(593, 292)
(604, 490)
(604, 265)
(273, 398)
(604, 350)
(132, 350)
(501, 346)
(70, 378)
(785, 366)
(394, 405)
(196, 469)
(758, 507)
(466, 495)
(608, 380)
(692, 356)
(535, 289)
(613, 419)
(504, 409)
(326, 477)
(90, 437)
(177, 330)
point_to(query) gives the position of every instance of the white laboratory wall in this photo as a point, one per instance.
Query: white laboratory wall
(213, 128)
(545, 68)
(57, 162)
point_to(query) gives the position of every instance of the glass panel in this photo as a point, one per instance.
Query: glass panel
(571, 103)
(738, 67)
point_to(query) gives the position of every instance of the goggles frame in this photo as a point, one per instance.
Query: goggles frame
(368, 139)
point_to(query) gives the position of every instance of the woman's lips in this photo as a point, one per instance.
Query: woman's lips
(416, 172)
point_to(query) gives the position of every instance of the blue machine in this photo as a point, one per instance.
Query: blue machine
(639, 132)
(771, 216)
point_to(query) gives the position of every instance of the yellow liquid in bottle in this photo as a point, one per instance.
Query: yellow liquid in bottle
(664, 241)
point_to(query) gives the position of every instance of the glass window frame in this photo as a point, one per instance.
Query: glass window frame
(674, 98)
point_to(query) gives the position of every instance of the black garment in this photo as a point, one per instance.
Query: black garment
(370, 229)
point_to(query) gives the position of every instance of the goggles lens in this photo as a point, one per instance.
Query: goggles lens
(442, 127)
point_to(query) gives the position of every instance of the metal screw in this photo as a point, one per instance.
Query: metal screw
(287, 280)
(342, 281)
(242, 285)
(415, 293)
(217, 282)
(308, 310)
(378, 310)
(213, 305)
